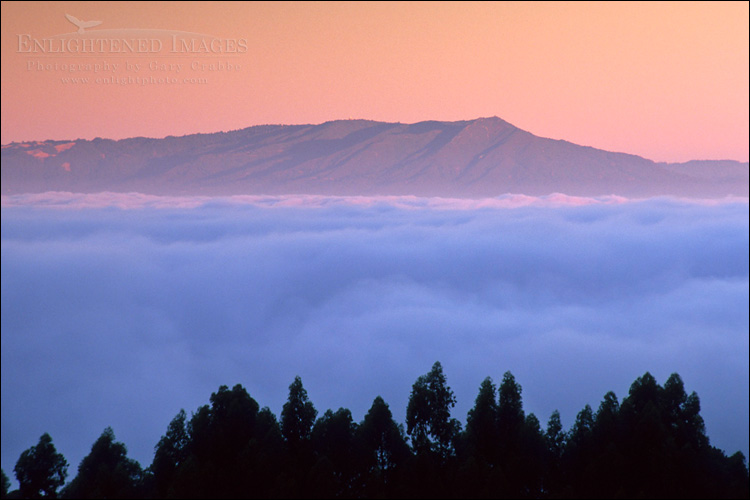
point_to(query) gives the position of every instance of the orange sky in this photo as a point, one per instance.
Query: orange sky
(667, 81)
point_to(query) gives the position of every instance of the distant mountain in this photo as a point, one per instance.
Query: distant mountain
(476, 158)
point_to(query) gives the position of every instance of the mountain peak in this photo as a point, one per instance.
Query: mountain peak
(474, 158)
(495, 120)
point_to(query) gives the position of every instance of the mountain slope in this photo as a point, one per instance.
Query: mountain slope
(476, 158)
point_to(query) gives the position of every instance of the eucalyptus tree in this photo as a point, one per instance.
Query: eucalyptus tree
(40, 470)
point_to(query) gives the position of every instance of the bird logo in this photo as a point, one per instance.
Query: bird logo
(82, 24)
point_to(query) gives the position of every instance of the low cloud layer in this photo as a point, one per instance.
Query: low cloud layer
(120, 317)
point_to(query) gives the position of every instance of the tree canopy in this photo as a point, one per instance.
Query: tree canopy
(428, 414)
(298, 415)
(652, 444)
(107, 472)
(40, 470)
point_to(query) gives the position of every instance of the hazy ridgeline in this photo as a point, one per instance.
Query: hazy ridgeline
(121, 309)
(651, 445)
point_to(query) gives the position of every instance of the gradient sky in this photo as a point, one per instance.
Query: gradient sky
(667, 81)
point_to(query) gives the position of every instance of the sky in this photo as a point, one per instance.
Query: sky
(664, 80)
(121, 309)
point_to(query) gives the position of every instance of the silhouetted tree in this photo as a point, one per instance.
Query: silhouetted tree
(673, 400)
(433, 433)
(5, 484)
(384, 450)
(268, 454)
(556, 439)
(40, 470)
(478, 447)
(653, 444)
(606, 421)
(645, 449)
(582, 428)
(228, 449)
(532, 458)
(481, 424)
(510, 414)
(170, 453)
(297, 419)
(604, 463)
(297, 416)
(334, 446)
(510, 426)
(578, 454)
(233, 415)
(555, 435)
(737, 482)
(428, 413)
(107, 472)
(691, 424)
(219, 462)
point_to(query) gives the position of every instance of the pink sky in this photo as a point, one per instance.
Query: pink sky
(667, 81)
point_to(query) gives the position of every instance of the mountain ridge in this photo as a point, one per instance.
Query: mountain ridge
(469, 158)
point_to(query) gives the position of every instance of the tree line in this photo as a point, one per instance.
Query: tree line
(652, 444)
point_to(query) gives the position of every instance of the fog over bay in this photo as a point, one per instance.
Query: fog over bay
(118, 310)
